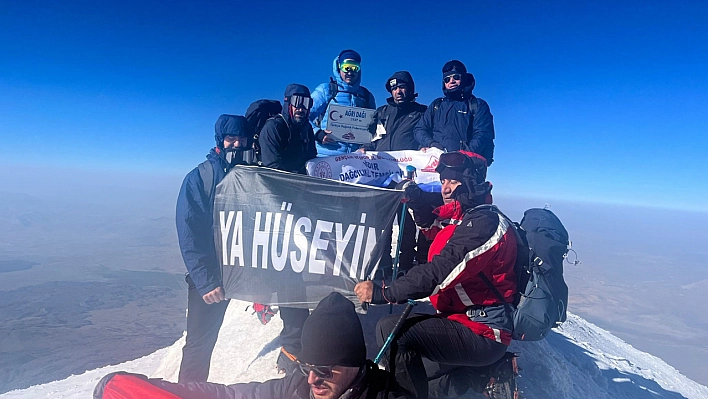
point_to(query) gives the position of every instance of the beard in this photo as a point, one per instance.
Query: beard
(300, 118)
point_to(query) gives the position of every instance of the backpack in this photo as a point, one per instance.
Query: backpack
(334, 90)
(542, 246)
(257, 114)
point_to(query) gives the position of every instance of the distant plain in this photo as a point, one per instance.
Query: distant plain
(99, 280)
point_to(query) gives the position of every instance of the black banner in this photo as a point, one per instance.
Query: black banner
(284, 238)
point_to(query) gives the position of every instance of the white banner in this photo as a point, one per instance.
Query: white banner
(379, 168)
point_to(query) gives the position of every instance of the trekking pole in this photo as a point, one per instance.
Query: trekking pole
(395, 330)
(410, 173)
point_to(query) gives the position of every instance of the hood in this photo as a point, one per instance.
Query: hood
(352, 88)
(232, 125)
(293, 88)
(462, 92)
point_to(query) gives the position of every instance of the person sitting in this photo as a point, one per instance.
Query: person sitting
(471, 243)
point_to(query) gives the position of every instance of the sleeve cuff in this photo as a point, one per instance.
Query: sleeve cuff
(380, 295)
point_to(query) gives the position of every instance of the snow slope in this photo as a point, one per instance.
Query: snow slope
(579, 360)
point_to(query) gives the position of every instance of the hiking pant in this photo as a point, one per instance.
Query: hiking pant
(440, 341)
(203, 324)
(293, 320)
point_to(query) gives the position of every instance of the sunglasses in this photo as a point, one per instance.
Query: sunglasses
(455, 160)
(455, 76)
(350, 68)
(324, 372)
(298, 100)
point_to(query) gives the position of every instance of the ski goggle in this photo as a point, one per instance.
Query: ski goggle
(347, 67)
(324, 372)
(454, 76)
(454, 160)
(298, 100)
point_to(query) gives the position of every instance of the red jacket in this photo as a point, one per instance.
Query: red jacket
(474, 241)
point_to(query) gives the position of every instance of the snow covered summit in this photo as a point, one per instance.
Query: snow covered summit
(579, 360)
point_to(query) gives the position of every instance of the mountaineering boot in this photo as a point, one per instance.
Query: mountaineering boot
(286, 363)
(502, 381)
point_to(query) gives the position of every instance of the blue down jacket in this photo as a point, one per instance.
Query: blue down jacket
(353, 95)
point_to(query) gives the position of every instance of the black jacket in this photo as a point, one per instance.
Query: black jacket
(451, 123)
(372, 384)
(285, 145)
(398, 120)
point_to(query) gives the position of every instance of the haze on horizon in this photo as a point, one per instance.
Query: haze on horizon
(599, 110)
(635, 260)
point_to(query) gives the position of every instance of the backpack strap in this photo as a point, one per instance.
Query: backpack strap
(472, 103)
(367, 93)
(435, 105)
(522, 254)
(206, 172)
(496, 292)
(333, 90)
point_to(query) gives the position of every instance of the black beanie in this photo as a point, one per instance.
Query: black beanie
(454, 66)
(398, 78)
(332, 335)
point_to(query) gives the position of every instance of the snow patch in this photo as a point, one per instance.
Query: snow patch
(579, 360)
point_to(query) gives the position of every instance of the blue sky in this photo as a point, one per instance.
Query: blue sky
(593, 101)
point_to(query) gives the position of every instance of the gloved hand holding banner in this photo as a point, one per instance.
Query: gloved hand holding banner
(290, 239)
(379, 168)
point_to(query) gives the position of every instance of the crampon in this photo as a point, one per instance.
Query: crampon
(502, 381)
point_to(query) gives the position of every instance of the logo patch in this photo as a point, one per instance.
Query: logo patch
(323, 170)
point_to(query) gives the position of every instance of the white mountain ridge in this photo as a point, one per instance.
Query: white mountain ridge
(577, 360)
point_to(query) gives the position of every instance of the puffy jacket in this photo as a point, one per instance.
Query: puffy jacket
(448, 121)
(476, 240)
(398, 121)
(285, 145)
(372, 383)
(353, 95)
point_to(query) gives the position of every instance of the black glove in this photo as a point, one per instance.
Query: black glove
(413, 192)
(319, 135)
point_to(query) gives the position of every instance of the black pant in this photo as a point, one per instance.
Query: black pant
(440, 341)
(407, 246)
(293, 320)
(203, 324)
